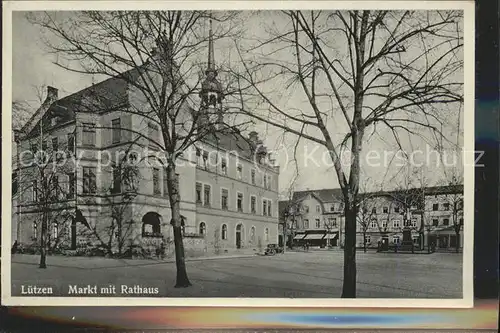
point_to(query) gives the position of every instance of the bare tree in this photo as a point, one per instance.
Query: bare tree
(456, 201)
(365, 215)
(290, 212)
(379, 71)
(46, 166)
(156, 55)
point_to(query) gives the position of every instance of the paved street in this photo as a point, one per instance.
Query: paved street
(294, 274)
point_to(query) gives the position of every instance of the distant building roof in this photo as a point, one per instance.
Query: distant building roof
(330, 195)
(324, 195)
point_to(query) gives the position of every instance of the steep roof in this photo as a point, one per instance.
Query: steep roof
(324, 195)
(231, 142)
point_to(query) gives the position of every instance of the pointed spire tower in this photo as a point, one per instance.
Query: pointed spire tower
(211, 89)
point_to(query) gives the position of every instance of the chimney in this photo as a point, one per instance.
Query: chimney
(52, 93)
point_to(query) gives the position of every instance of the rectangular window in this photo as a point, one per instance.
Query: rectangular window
(71, 143)
(55, 144)
(264, 207)
(206, 191)
(318, 223)
(435, 222)
(199, 158)
(71, 185)
(88, 133)
(265, 181)
(395, 224)
(252, 176)
(306, 209)
(318, 209)
(117, 131)
(205, 160)
(332, 208)
(368, 239)
(156, 181)
(384, 224)
(224, 166)
(374, 210)
(435, 207)
(224, 199)
(413, 223)
(373, 224)
(89, 180)
(15, 183)
(55, 185)
(253, 204)
(385, 210)
(396, 209)
(395, 240)
(269, 210)
(240, 202)
(117, 181)
(165, 182)
(239, 171)
(35, 191)
(199, 199)
(306, 224)
(446, 206)
(446, 221)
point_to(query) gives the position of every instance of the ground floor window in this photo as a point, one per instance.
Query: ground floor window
(203, 228)
(224, 231)
(55, 231)
(151, 225)
(252, 235)
(368, 239)
(266, 234)
(35, 230)
(395, 240)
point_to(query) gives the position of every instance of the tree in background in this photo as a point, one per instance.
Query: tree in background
(363, 74)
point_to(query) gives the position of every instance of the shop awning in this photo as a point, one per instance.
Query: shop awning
(299, 236)
(314, 236)
(331, 235)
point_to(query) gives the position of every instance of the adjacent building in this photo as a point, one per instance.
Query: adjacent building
(433, 215)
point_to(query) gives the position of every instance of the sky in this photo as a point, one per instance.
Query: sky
(33, 67)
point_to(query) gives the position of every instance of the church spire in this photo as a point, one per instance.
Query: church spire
(211, 57)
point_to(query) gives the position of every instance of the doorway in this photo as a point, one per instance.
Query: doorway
(238, 236)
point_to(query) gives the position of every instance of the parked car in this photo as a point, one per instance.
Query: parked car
(272, 249)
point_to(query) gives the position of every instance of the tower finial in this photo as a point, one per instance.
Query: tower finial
(211, 58)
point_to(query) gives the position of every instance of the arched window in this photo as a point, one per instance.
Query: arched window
(224, 231)
(55, 231)
(151, 225)
(203, 228)
(252, 235)
(35, 230)
(266, 234)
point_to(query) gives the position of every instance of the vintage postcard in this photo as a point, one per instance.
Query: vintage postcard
(301, 153)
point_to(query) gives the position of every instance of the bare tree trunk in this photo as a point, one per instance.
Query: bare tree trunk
(364, 241)
(349, 283)
(43, 241)
(182, 280)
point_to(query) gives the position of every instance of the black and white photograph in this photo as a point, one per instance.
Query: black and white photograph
(178, 154)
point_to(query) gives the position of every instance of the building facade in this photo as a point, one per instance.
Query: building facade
(433, 216)
(97, 186)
